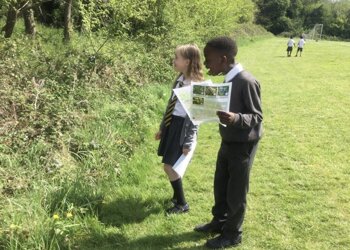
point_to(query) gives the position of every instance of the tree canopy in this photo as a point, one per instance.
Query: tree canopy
(297, 16)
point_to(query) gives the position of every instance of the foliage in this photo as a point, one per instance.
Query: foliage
(299, 16)
(334, 16)
(211, 18)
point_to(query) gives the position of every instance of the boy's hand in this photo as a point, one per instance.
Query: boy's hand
(226, 117)
(185, 151)
(158, 135)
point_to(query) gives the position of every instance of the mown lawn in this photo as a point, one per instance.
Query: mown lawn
(300, 183)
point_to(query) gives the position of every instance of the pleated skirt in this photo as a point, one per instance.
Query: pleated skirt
(169, 145)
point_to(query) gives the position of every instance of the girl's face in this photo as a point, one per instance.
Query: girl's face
(181, 63)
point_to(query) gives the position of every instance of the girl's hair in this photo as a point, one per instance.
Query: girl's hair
(192, 53)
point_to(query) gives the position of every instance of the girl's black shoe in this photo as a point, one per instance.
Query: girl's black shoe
(178, 209)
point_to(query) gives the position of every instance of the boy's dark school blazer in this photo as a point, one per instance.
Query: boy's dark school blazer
(245, 102)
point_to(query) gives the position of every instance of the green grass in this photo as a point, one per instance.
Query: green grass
(300, 191)
(299, 194)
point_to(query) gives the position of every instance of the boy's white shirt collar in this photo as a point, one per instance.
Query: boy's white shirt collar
(237, 68)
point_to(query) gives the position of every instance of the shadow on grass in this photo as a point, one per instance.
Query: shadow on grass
(101, 240)
(76, 194)
(127, 210)
(118, 241)
(167, 241)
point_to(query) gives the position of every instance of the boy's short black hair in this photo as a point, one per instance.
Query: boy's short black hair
(225, 45)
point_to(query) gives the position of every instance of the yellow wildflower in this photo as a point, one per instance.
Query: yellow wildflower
(55, 216)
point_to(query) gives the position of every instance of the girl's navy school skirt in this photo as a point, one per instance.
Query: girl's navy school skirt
(169, 146)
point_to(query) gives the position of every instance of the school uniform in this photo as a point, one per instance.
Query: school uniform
(179, 133)
(239, 142)
(290, 45)
(301, 45)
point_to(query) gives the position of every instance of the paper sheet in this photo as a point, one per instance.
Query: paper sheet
(182, 163)
(202, 100)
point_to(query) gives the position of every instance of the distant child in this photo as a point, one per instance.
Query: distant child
(301, 44)
(290, 45)
(177, 133)
(239, 142)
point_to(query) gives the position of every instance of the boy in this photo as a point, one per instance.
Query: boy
(300, 45)
(238, 146)
(290, 45)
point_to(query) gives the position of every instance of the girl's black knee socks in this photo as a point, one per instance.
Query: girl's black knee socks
(178, 191)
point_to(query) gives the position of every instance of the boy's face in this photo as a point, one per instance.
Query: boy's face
(214, 61)
(180, 63)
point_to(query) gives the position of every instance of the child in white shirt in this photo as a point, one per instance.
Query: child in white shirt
(300, 46)
(290, 45)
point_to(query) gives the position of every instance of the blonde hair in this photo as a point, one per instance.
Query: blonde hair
(192, 53)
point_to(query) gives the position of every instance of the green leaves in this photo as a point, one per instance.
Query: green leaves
(299, 16)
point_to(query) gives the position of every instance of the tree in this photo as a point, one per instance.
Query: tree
(15, 8)
(272, 14)
(295, 8)
(318, 15)
(10, 19)
(28, 16)
(282, 24)
(347, 26)
(67, 20)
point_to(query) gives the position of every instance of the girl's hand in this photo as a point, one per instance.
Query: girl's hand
(158, 135)
(185, 151)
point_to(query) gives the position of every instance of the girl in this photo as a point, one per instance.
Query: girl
(177, 134)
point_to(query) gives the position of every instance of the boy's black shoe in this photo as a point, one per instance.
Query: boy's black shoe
(223, 242)
(212, 227)
(178, 209)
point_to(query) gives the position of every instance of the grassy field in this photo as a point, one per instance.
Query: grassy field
(300, 183)
(300, 191)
